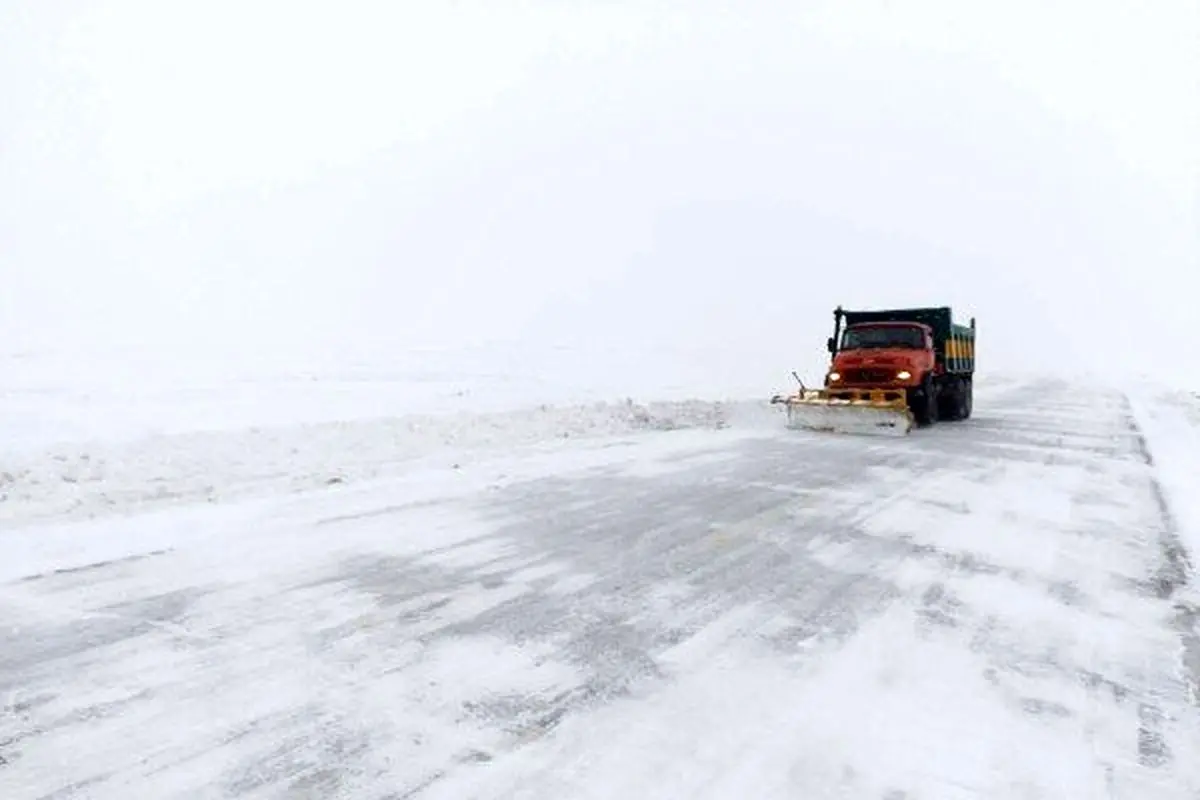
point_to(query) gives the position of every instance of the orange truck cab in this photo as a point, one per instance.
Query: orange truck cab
(919, 353)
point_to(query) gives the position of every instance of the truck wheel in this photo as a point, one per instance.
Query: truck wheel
(925, 403)
(968, 397)
(958, 403)
(950, 400)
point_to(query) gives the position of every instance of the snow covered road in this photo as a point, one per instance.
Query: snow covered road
(992, 609)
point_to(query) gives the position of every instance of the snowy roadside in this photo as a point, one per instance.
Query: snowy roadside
(1170, 423)
(50, 398)
(207, 466)
(97, 477)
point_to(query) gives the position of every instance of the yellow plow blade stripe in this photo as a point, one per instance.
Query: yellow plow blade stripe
(869, 411)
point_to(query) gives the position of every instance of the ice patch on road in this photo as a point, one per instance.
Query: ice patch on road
(829, 553)
(1015, 518)
(467, 668)
(860, 723)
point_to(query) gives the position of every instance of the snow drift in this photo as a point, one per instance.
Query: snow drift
(106, 476)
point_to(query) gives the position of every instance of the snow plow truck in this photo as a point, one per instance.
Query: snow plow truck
(890, 371)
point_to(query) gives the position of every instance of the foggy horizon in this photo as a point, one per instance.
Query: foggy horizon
(621, 176)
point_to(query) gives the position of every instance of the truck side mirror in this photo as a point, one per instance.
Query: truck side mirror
(831, 345)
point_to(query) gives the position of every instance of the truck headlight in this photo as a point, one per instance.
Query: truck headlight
(835, 376)
(903, 375)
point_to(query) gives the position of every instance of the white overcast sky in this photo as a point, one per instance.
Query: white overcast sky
(640, 172)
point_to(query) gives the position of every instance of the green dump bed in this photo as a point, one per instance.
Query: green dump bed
(953, 344)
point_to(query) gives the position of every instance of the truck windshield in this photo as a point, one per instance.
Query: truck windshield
(882, 337)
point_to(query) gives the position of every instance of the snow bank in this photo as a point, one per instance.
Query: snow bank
(87, 433)
(86, 480)
(48, 398)
(1170, 423)
(52, 397)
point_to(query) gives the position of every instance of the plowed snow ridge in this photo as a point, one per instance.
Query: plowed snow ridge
(1170, 424)
(87, 480)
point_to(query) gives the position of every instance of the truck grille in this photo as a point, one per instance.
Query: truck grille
(868, 376)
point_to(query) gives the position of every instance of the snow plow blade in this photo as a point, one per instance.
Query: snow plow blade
(877, 412)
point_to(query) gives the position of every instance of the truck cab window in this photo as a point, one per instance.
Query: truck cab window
(883, 337)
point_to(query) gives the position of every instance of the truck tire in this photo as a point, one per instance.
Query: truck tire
(924, 403)
(968, 397)
(950, 400)
(955, 402)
